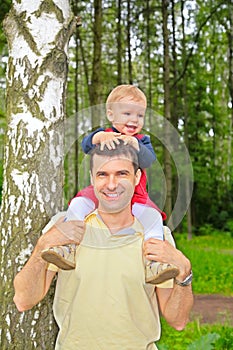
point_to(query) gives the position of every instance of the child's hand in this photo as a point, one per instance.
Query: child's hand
(110, 139)
(130, 140)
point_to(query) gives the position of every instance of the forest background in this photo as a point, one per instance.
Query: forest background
(180, 53)
(123, 42)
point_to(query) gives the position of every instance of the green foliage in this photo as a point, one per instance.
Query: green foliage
(225, 340)
(200, 100)
(212, 262)
(196, 337)
(229, 226)
(205, 342)
(5, 7)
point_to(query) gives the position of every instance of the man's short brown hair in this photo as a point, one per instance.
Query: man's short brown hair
(126, 151)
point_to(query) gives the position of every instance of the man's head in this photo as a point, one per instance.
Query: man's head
(114, 175)
(126, 107)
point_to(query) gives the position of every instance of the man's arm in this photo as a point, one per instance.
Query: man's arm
(33, 281)
(175, 303)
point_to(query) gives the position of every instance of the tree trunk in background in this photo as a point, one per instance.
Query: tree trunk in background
(76, 97)
(129, 58)
(119, 44)
(174, 91)
(149, 79)
(96, 80)
(230, 58)
(185, 112)
(38, 33)
(167, 114)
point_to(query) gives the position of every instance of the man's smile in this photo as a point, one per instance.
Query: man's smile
(112, 195)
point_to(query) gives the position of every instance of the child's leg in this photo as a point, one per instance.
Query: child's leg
(64, 256)
(79, 208)
(151, 220)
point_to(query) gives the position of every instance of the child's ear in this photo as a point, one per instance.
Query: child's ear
(110, 115)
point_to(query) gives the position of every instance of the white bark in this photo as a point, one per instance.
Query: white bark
(38, 33)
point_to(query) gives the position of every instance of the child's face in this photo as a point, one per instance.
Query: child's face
(127, 116)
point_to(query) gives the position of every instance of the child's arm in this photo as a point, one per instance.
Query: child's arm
(99, 136)
(87, 144)
(146, 154)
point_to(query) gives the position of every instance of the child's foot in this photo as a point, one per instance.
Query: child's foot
(62, 256)
(158, 273)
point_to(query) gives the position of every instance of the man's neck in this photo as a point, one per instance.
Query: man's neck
(117, 221)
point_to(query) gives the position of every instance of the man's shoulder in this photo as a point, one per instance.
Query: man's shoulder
(94, 218)
(137, 226)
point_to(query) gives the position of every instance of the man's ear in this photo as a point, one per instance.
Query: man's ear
(138, 176)
(110, 115)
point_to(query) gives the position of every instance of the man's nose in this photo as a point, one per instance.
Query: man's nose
(112, 182)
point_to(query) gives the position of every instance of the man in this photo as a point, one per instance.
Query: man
(105, 303)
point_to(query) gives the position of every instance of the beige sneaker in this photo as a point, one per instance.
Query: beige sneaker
(158, 273)
(62, 256)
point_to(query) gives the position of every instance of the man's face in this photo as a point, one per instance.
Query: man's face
(127, 116)
(114, 181)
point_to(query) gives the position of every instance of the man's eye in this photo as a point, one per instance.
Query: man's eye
(127, 113)
(100, 174)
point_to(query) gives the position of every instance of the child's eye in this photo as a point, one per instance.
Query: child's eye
(127, 113)
(140, 116)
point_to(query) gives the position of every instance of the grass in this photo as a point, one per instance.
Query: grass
(212, 264)
(196, 337)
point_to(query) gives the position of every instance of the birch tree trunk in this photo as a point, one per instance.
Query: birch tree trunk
(38, 33)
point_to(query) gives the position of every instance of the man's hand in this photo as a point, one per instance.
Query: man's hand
(62, 233)
(110, 139)
(33, 281)
(164, 252)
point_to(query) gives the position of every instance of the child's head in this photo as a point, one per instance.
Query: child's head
(126, 106)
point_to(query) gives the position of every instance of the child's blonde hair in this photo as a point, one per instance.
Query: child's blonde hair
(125, 90)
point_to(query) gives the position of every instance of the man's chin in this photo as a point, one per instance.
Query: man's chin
(112, 209)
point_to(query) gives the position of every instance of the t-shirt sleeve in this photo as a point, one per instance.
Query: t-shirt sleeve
(166, 284)
(87, 144)
(52, 267)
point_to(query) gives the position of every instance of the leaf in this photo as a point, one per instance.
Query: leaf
(205, 342)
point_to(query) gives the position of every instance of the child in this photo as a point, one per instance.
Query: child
(125, 107)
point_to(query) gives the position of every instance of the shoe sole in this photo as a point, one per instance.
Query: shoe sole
(163, 276)
(56, 259)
